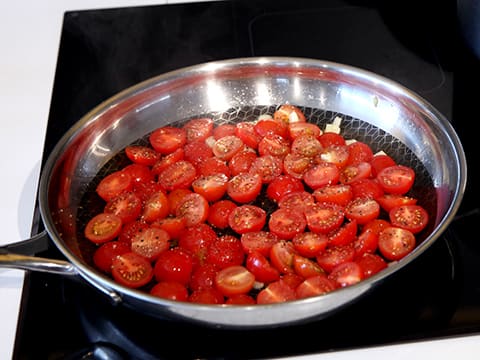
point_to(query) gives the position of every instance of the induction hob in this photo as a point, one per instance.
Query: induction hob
(105, 51)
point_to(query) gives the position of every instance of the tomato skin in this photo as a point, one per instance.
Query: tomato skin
(366, 242)
(366, 188)
(240, 299)
(167, 139)
(380, 162)
(396, 179)
(151, 243)
(244, 187)
(174, 265)
(206, 296)
(226, 251)
(213, 165)
(170, 290)
(395, 243)
(234, 280)
(324, 218)
(114, 184)
(286, 223)
(331, 139)
(130, 230)
(222, 130)
(219, 212)
(276, 292)
(167, 160)
(105, 253)
(196, 240)
(139, 173)
(172, 225)
(261, 268)
(343, 235)
(142, 155)
(132, 270)
(371, 264)
(247, 218)
(283, 185)
(334, 256)
(410, 217)
(389, 201)
(281, 256)
(314, 286)
(306, 267)
(103, 227)
(203, 277)
(155, 207)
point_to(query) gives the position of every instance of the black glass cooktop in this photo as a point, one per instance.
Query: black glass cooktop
(413, 42)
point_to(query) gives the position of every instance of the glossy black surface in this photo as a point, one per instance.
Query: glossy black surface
(413, 42)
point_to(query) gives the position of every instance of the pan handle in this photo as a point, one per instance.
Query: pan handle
(20, 256)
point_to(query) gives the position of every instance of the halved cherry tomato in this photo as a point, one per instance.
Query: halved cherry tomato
(170, 290)
(260, 267)
(246, 132)
(226, 147)
(140, 173)
(346, 274)
(247, 218)
(310, 244)
(258, 241)
(306, 145)
(371, 264)
(296, 201)
(274, 145)
(114, 184)
(324, 217)
(296, 165)
(276, 292)
(167, 139)
(150, 243)
(174, 265)
(282, 185)
(155, 207)
(396, 179)
(366, 188)
(269, 167)
(240, 299)
(196, 240)
(366, 242)
(336, 193)
(281, 256)
(306, 267)
(130, 230)
(389, 201)
(226, 251)
(127, 206)
(203, 276)
(234, 280)
(213, 165)
(168, 159)
(314, 286)
(177, 175)
(265, 127)
(206, 296)
(343, 235)
(172, 225)
(410, 217)
(303, 128)
(380, 162)
(335, 255)
(289, 114)
(175, 197)
(395, 243)
(337, 154)
(331, 139)
(286, 223)
(132, 270)
(241, 162)
(359, 152)
(198, 129)
(219, 212)
(244, 187)
(103, 227)
(142, 155)
(211, 187)
(362, 210)
(354, 172)
(197, 152)
(322, 174)
(105, 253)
(194, 208)
(222, 130)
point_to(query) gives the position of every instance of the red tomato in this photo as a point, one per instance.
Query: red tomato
(331, 139)
(142, 155)
(127, 206)
(281, 256)
(172, 225)
(105, 253)
(306, 267)
(170, 290)
(225, 252)
(276, 292)
(274, 145)
(167, 139)
(210, 296)
(234, 280)
(355, 172)
(167, 160)
(144, 190)
(130, 230)
(366, 242)
(366, 188)
(114, 184)
(389, 201)
(219, 212)
(194, 208)
(213, 165)
(226, 147)
(247, 218)
(222, 130)
(103, 227)
(244, 187)
(335, 255)
(376, 225)
(371, 264)
(303, 128)
(197, 152)
(346, 274)
(321, 175)
(196, 240)
(174, 265)
(314, 286)
(269, 167)
(240, 299)
(359, 152)
(306, 145)
(296, 165)
(261, 268)
(241, 162)
(211, 187)
(203, 277)
(265, 127)
(324, 217)
(198, 129)
(258, 241)
(337, 154)
(336, 193)
(283, 185)
(395, 243)
(289, 114)
(140, 174)
(409, 217)
(151, 243)
(131, 270)
(343, 235)
(246, 132)
(286, 223)
(309, 244)
(296, 201)
(175, 197)
(379, 162)
(362, 210)
(155, 207)
(177, 175)
(397, 179)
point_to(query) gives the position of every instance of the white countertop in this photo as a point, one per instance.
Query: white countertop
(29, 38)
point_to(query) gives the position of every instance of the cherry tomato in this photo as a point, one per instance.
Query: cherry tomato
(286, 223)
(396, 179)
(314, 286)
(343, 235)
(103, 227)
(130, 230)
(247, 218)
(177, 175)
(274, 145)
(139, 173)
(337, 154)
(336, 193)
(244, 187)
(362, 210)
(172, 225)
(281, 256)
(174, 265)
(213, 165)
(389, 201)
(303, 128)
(258, 241)
(410, 217)
(194, 208)
(234, 280)
(246, 132)
(346, 274)
(306, 267)
(240, 299)
(276, 292)
(132, 270)
(105, 253)
(219, 212)
(289, 114)
(264, 127)
(203, 277)
(359, 152)
(209, 296)
(114, 184)
(366, 188)
(198, 129)
(167, 160)
(127, 206)
(379, 162)
(269, 167)
(296, 201)
(167, 139)
(170, 290)
(282, 185)
(395, 243)
(222, 130)
(355, 172)
(211, 187)
(366, 242)
(306, 145)
(335, 255)
(226, 147)
(142, 155)
(324, 217)
(296, 165)
(331, 139)
(155, 207)
(309, 244)
(226, 251)
(197, 152)
(371, 264)
(196, 240)
(175, 197)
(321, 175)
(241, 162)
(151, 243)
(260, 267)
